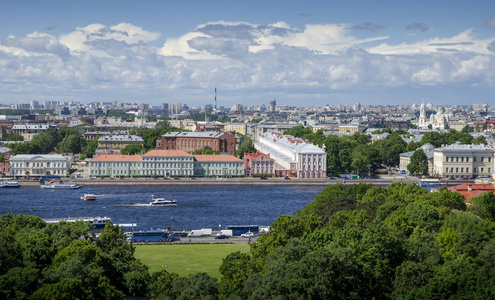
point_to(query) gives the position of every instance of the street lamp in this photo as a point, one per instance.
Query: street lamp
(249, 224)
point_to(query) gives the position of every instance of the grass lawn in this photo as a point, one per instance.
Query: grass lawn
(185, 259)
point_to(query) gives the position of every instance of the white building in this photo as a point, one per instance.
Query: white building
(293, 156)
(115, 165)
(463, 161)
(168, 163)
(218, 165)
(38, 165)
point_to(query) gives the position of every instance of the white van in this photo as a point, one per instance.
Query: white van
(226, 232)
(195, 233)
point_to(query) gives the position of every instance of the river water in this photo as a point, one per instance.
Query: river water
(198, 206)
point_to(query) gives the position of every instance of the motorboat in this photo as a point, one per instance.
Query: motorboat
(89, 197)
(69, 185)
(9, 184)
(160, 201)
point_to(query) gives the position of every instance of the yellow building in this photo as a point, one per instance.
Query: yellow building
(115, 143)
(237, 127)
(352, 128)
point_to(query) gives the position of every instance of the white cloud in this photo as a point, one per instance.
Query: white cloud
(463, 42)
(248, 58)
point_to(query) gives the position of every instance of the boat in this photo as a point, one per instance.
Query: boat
(93, 221)
(160, 201)
(430, 183)
(9, 184)
(69, 185)
(89, 197)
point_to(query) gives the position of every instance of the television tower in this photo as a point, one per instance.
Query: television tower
(215, 103)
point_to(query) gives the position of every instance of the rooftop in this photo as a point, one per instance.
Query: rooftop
(117, 157)
(167, 153)
(224, 158)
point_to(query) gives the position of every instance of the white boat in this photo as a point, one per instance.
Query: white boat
(89, 197)
(93, 221)
(69, 185)
(9, 184)
(160, 201)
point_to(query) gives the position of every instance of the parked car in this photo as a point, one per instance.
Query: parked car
(93, 177)
(247, 234)
(179, 234)
(287, 177)
(173, 239)
(221, 237)
(263, 177)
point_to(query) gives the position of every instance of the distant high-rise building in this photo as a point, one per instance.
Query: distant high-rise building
(357, 106)
(273, 103)
(165, 107)
(215, 103)
(175, 108)
(34, 105)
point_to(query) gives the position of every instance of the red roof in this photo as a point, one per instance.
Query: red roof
(117, 157)
(469, 190)
(167, 153)
(230, 158)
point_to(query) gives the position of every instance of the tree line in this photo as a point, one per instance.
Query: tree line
(356, 154)
(355, 242)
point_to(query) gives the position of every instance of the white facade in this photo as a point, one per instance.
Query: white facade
(168, 163)
(463, 161)
(38, 165)
(293, 155)
(115, 165)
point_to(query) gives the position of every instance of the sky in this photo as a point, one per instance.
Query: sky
(302, 53)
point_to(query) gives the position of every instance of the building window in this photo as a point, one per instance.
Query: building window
(467, 159)
(462, 159)
(482, 170)
(489, 159)
(467, 170)
(462, 170)
(457, 170)
(446, 170)
(482, 159)
(457, 159)
(489, 170)
(474, 160)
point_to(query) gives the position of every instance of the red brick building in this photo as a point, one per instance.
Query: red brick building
(5, 165)
(224, 142)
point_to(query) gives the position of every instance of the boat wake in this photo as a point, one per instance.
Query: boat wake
(133, 204)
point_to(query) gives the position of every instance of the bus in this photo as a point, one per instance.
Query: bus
(237, 230)
(430, 183)
(150, 236)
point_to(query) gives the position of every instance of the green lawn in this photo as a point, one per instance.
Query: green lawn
(185, 259)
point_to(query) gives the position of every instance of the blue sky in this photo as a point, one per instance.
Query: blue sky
(306, 53)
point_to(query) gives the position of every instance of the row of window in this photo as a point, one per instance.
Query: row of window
(462, 159)
(38, 165)
(482, 170)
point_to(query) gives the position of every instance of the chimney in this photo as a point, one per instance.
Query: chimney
(470, 188)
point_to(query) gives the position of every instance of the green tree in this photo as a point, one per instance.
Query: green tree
(419, 163)
(245, 146)
(15, 137)
(132, 149)
(205, 150)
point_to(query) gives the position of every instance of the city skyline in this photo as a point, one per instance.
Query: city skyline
(299, 53)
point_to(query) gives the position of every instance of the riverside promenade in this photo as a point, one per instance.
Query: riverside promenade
(379, 180)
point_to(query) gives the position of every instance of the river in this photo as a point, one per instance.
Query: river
(198, 206)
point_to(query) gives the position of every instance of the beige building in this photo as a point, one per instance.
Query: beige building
(115, 143)
(463, 161)
(352, 128)
(237, 127)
